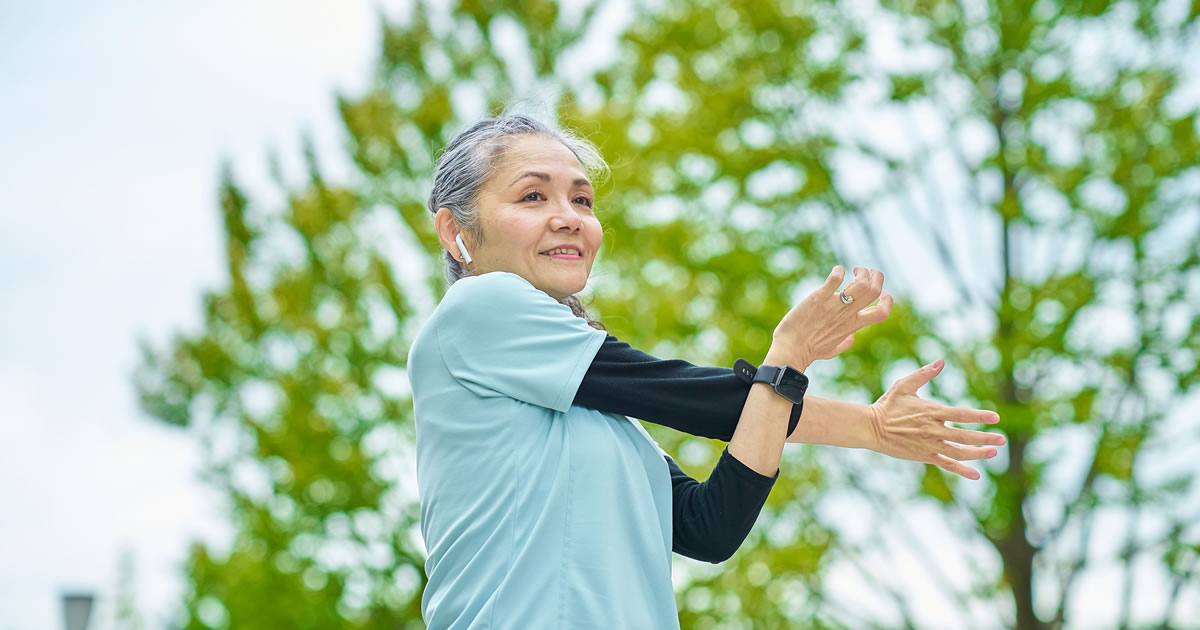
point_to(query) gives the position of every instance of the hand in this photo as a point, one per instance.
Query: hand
(907, 427)
(821, 326)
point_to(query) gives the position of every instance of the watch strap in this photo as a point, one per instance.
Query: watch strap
(771, 375)
(746, 372)
(750, 375)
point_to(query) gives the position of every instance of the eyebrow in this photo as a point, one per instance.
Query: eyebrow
(546, 177)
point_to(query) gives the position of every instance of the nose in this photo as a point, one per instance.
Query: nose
(565, 217)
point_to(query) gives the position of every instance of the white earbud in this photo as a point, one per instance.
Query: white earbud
(462, 249)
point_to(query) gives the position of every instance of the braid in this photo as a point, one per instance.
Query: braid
(581, 312)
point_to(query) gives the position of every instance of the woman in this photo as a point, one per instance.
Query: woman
(542, 504)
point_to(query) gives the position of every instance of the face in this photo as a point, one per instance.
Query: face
(537, 220)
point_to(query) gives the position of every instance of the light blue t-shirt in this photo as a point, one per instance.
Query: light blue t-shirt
(535, 513)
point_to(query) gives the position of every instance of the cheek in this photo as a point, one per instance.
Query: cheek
(513, 233)
(593, 232)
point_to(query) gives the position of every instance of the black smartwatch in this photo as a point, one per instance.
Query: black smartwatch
(786, 381)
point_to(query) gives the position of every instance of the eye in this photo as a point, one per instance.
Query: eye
(587, 201)
(533, 196)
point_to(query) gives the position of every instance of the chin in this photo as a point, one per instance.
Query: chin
(566, 288)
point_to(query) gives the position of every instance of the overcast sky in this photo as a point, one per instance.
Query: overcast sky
(114, 118)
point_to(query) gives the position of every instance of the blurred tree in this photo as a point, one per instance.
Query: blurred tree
(1024, 172)
(126, 615)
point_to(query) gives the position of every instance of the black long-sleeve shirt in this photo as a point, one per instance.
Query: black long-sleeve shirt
(710, 519)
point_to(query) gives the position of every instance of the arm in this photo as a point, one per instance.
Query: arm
(902, 425)
(834, 423)
(820, 326)
(710, 519)
(707, 401)
(499, 335)
(713, 518)
(702, 401)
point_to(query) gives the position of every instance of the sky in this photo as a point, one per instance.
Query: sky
(114, 120)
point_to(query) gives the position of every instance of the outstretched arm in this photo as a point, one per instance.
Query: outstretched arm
(902, 425)
(707, 401)
(833, 423)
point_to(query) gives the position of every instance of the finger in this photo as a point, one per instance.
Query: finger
(965, 453)
(845, 345)
(963, 415)
(877, 313)
(977, 438)
(949, 465)
(835, 279)
(856, 288)
(874, 281)
(911, 383)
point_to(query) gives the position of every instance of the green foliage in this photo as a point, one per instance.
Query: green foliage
(1055, 201)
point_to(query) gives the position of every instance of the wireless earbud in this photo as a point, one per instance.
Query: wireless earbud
(462, 249)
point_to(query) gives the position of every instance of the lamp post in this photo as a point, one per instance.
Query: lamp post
(77, 608)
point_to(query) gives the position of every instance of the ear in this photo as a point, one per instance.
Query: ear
(447, 229)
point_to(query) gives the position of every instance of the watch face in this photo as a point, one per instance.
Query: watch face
(792, 385)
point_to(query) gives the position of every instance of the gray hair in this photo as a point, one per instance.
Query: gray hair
(468, 162)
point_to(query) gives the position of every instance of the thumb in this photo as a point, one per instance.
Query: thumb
(911, 383)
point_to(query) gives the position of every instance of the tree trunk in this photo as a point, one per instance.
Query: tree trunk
(1015, 548)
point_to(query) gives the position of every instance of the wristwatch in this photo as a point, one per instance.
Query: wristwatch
(785, 380)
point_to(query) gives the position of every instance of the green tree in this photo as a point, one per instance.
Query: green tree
(1024, 172)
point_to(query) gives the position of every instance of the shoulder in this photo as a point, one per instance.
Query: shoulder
(500, 304)
(497, 289)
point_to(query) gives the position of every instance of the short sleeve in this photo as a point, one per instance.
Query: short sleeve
(499, 334)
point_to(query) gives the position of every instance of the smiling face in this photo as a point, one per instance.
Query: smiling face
(535, 214)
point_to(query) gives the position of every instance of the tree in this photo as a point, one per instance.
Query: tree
(1036, 213)
(126, 615)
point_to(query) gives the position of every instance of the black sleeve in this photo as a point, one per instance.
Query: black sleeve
(703, 401)
(711, 519)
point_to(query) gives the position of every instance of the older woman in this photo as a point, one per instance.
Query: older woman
(542, 504)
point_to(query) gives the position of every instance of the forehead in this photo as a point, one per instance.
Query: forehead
(541, 153)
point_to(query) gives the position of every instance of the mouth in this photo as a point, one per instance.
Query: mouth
(564, 253)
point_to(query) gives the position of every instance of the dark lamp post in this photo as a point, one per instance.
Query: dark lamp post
(77, 608)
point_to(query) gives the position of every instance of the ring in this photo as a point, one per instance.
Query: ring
(846, 299)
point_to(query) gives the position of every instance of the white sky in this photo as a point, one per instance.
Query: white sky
(113, 120)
